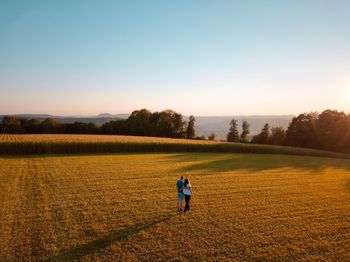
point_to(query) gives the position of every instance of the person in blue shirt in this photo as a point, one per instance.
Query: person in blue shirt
(180, 194)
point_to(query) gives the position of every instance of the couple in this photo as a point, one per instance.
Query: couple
(184, 189)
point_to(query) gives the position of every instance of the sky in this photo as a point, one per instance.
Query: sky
(193, 56)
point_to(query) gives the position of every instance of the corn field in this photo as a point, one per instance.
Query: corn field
(84, 144)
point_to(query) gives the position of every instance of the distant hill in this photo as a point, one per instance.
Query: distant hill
(99, 120)
(205, 125)
(108, 115)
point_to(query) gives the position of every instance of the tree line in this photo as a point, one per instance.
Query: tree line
(268, 135)
(167, 123)
(329, 130)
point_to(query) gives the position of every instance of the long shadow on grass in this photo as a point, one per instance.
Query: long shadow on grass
(253, 162)
(103, 242)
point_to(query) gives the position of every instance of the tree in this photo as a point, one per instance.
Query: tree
(329, 129)
(233, 135)
(212, 136)
(78, 128)
(301, 131)
(170, 124)
(342, 131)
(115, 127)
(178, 125)
(263, 137)
(32, 126)
(49, 126)
(91, 128)
(245, 132)
(154, 123)
(190, 133)
(278, 136)
(139, 122)
(11, 125)
(167, 123)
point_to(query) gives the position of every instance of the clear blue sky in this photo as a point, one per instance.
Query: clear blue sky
(196, 57)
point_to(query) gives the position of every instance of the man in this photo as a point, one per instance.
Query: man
(180, 194)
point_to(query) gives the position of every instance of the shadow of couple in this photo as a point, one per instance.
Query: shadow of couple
(112, 237)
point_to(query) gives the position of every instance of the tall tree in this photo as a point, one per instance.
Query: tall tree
(11, 125)
(32, 126)
(233, 135)
(301, 131)
(263, 136)
(178, 125)
(342, 132)
(278, 136)
(139, 122)
(245, 131)
(327, 128)
(170, 124)
(212, 136)
(115, 127)
(154, 123)
(190, 133)
(49, 126)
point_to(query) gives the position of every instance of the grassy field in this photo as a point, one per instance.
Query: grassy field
(122, 207)
(72, 144)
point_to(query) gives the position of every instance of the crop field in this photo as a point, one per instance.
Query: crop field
(123, 207)
(64, 138)
(71, 144)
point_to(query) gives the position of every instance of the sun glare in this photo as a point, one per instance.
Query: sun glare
(347, 95)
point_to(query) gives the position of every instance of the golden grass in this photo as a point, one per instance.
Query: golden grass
(122, 207)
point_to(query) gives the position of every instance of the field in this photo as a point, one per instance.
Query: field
(72, 144)
(122, 207)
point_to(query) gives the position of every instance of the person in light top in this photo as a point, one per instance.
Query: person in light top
(188, 193)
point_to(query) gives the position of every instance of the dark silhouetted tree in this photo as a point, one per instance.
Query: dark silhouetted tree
(115, 127)
(190, 133)
(32, 126)
(233, 135)
(78, 128)
(170, 124)
(11, 125)
(263, 137)
(245, 132)
(212, 136)
(329, 129)
(49, 126)
(278, 136)
(178, 125)
(301, 131)
(139, 122)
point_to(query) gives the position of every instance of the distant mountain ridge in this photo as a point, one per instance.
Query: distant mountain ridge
(205, 125)
(99, 119)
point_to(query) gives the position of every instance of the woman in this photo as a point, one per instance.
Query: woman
(188, 193)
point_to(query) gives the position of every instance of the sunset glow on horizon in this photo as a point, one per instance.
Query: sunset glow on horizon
(198, 57)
